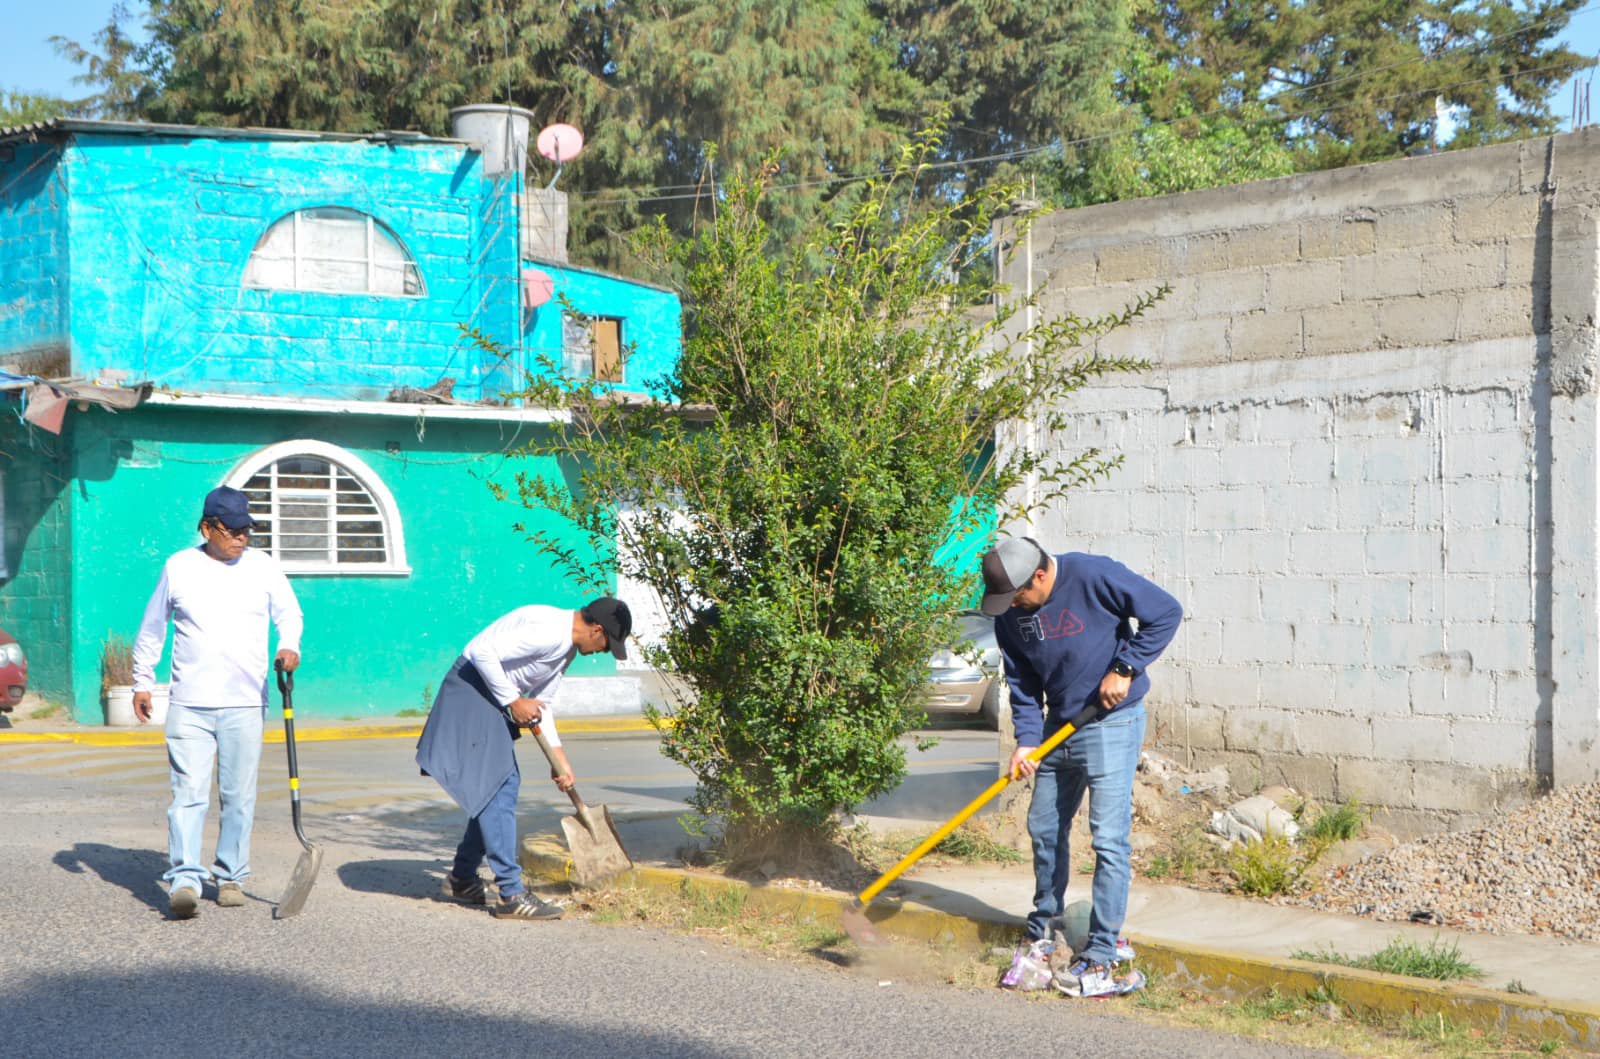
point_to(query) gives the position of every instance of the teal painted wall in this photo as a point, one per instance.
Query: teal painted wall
(164, 227)
(35, 602)
(33, 260)
(652, 328)
(374, 645)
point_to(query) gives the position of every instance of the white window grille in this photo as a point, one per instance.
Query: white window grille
(334, 250)
(320, 510)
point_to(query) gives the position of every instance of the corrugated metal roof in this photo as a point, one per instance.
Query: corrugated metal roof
(57, 127)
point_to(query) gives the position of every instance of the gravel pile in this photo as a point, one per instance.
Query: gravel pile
(1534, 871)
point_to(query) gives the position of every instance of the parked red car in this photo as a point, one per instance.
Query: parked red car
(13, 672)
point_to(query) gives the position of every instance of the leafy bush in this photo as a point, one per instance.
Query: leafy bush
(828, 431)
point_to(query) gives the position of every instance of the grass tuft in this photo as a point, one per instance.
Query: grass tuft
(973, 845)
(1337, 825)
(1440, 962)
(1266, 868)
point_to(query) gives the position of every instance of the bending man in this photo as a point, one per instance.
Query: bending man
(503, 682)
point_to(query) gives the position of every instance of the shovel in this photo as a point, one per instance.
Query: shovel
(597, 852)
(305, 871)
(856, 923)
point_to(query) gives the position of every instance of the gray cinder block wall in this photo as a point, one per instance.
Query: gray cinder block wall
(1365, 461)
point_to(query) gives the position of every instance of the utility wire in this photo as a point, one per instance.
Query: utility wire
(611, 196)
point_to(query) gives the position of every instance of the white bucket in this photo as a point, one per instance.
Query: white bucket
(498, 130)
(119, 706)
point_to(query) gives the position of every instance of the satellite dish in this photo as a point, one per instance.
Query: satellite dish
(560, 143)
(537, 287)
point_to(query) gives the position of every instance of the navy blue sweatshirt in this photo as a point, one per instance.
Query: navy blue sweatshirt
(1060, 652)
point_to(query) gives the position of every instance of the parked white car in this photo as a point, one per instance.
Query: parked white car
(964, 679)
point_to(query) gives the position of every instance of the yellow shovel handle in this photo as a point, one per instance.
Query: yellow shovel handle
(1083, 717)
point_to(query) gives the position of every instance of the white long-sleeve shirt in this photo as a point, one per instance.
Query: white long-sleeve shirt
(219, 611)
(524, 655)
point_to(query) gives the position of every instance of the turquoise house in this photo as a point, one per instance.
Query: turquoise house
(298, 315)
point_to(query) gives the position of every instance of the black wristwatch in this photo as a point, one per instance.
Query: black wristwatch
(1123, 669)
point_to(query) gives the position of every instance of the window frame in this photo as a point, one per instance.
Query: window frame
(374, 229)
(589, 324)
(388, 512)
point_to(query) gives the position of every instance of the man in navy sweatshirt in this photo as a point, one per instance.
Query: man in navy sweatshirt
(1077, 630)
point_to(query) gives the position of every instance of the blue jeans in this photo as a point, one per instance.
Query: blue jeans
(1100, 759)
(197, 739)
(493, 833)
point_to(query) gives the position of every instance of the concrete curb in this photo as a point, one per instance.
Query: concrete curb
(1217, 971)
(313, 733)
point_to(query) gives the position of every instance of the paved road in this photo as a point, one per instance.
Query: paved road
(374, 966)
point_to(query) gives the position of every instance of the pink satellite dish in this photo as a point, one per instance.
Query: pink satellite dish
(537, 287)
(560, 143)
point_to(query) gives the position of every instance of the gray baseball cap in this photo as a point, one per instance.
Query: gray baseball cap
(1007, 568)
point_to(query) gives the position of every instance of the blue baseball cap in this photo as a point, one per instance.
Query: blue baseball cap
(229, 507)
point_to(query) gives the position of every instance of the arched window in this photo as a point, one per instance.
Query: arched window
(321, 510)
(332, 249)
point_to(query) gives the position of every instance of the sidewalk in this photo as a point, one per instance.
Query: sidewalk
(306, 730)
(1222, 943)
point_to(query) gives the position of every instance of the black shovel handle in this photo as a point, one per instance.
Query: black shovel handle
(286, 688)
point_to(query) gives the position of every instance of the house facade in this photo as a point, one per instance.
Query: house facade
(338, 325)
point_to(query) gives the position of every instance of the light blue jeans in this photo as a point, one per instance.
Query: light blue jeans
(1100, 759)
(493, 833)
(197, 739)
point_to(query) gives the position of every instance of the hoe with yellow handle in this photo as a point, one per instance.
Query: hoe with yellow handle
(856, 923)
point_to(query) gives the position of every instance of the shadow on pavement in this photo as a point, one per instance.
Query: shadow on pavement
(99, 1013)
(399, 878)
(137, 871)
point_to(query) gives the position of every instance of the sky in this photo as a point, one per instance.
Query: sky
(30, 64)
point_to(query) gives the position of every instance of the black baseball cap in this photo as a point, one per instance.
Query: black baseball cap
(613, 616)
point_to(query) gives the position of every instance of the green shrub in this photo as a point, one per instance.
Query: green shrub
(1266, 868)
(827, 435)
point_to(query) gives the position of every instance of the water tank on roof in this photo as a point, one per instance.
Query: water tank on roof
(498, 130)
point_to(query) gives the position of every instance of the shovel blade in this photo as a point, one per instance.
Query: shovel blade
(300, 883)
(596, 848)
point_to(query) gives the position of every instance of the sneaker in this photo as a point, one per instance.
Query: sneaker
(526, 906)
(183, 902)
(1090, 980)
(229, 895)
(469, 891)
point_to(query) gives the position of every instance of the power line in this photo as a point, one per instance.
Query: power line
(608, 198)
(695, 191)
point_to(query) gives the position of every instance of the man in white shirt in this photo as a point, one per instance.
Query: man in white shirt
(219, 598)
(503, 682)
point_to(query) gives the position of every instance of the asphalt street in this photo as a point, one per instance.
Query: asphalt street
(375, 965)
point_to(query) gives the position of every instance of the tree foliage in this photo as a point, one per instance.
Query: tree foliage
(1353, 81)
(847, 398)
(1094, 101)
(25, 108)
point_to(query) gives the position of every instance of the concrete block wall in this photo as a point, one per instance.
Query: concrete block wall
(1349, 461)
